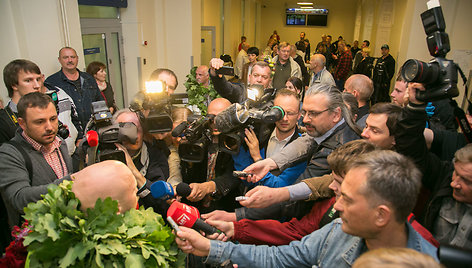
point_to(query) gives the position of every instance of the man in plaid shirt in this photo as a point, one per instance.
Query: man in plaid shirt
(344, 65)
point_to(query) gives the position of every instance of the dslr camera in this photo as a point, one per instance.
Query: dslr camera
(440, 74)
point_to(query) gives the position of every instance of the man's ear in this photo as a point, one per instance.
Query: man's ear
(22, 123)
(383, 215)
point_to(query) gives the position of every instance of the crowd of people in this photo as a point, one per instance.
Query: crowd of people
(345, 170)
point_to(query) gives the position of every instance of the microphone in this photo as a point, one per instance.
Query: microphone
(163, 190)
(188, 216)
(92, 138)
(231, 117)
(178, 130)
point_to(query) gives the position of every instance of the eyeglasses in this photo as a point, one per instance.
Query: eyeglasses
(312, 114)
(291, 114)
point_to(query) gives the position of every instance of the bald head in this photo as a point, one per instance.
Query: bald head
(201, 75)
(106, 179)
(218, 105)
(361, 87)
(317, 62)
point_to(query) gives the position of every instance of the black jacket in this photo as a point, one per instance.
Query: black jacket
(84, 97)
(7, 126)
(436, 173)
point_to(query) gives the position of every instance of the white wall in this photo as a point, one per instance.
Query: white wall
(33, 30)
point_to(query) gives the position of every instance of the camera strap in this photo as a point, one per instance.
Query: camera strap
(11, 115)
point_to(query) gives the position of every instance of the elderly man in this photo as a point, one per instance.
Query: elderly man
(260, 75)
(80, 86)
(285, 66)
(373, 206)
(320, 74)
(202, 76)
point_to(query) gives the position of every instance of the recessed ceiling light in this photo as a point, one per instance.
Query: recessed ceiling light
(306, 7)
(304, 3)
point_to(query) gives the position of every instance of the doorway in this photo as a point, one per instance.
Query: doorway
(208, 44)
(102, 41)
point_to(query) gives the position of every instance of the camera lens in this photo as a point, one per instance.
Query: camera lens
(421, 72)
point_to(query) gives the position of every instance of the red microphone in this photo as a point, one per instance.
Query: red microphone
(188, 216)
(92, 138)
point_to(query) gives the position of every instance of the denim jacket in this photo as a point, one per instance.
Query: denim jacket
(326, 247)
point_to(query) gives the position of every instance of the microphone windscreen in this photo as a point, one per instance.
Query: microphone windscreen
(178, 130)
(162, 189)
(230, 118)
(92, 138)
(183, 189)
(182, 214)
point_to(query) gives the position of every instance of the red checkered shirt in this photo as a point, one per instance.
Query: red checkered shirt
(51, 153)
(344, 66)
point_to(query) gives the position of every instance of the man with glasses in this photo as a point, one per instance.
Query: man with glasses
(285, 66)
(284, 132)
(328, 123)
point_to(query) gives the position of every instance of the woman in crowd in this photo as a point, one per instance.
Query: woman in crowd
(366, 64)
(97, 70)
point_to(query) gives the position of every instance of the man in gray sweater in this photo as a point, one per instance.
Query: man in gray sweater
(48, 154)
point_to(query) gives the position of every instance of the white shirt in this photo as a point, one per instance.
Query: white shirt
(275, 145)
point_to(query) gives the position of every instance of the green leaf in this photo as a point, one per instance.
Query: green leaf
(78, 251)
(134, 261)
(134, 231)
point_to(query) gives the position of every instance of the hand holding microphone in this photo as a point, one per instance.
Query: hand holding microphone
(188, 216)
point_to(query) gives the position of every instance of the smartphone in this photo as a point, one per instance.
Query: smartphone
(173, 224)
(241, 198)
(241, 174)
(226, 70)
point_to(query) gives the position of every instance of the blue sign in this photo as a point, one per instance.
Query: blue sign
(90, 51)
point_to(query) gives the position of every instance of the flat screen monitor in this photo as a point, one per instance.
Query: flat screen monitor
(317, 20)
(296, 19)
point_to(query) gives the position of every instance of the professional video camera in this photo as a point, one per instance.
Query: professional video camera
(255, 113)
(440, 74)
(62, 130)
(196, 132)
(154, 102)
(102, 135)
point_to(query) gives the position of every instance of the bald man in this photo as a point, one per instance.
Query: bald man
(213, 180)
(319, 73)
(106, 179)
(362, 88)
(202, 76)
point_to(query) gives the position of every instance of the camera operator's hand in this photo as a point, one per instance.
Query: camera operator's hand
(411, 92)
(190, 241)
(215, 64)
(260, 169)
(220, 215)
(140, 179)
(253, 144)
(200, 190)
(263, 196)
(226, 227)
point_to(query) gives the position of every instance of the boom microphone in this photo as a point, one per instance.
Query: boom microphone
(188, 216)
(231, 118)
(92, 138)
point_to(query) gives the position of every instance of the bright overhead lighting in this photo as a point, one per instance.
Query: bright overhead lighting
(305, 3)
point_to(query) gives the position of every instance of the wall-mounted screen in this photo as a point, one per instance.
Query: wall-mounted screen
(317, 20)
(308, 17)
(296, 19)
